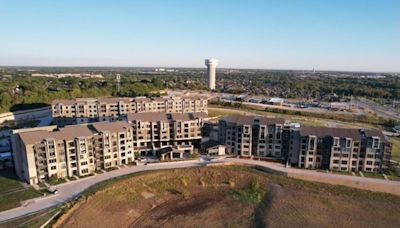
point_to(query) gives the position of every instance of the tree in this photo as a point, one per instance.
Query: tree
(157, 83)
(5, 102)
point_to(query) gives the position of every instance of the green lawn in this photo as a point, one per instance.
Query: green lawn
(373, 175)
(12, 192)
(395, 148)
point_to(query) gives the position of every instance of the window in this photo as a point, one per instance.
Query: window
(312, 144)
(335, 142)
(375, 143)
(348, 143)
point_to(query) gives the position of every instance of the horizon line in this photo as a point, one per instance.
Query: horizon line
(237, 68)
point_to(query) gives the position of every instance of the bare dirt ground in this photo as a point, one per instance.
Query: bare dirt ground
(229, 197)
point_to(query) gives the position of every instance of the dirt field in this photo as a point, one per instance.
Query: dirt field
(229, 196)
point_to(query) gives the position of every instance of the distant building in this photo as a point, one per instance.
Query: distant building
(339, 106)
(85, 110)
(63, 75)
(275, 101)
(211, 71)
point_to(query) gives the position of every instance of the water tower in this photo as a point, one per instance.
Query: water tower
(211, 71)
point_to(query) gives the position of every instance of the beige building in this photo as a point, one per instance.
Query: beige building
(343, 149)
(81, 150)
(153, 131)
(86, 110)
(339, 149)
(252, 135)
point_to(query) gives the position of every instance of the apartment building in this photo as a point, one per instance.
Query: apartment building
(305, 147)
(81, 150)
(252, 135)
(153, 131)
(86, 110)
(341, 149)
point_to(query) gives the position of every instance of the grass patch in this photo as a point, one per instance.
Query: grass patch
(218, 110)
(12, 192)
(102, 185)
(395, 148)
(12, 200)
(342, 172)
(373, 175)
(55, 181)
(111, 169)
(8, 185)
(252, 193)
(33, 220)
(213, 112)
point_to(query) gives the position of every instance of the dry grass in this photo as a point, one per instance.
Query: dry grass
(229, 196)
(214, 111)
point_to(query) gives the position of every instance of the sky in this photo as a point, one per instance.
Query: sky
(348, 35)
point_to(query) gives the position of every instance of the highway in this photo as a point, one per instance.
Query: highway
(72, 189)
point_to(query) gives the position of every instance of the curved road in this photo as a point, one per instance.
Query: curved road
(72, 189)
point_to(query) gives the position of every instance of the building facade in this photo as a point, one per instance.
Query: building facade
(252, 135)
(337, 149)
(86, 110)
(157, 130)
(340, 149)
(81, 150)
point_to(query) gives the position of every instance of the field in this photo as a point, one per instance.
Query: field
(228, 196)
(214, 111)
(12, 192)
(395, 149)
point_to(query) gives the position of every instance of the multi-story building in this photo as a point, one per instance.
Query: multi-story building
(153, 131)
(306, 147)
(80, 150)
(340, 149)
(252, 135)
(85, 110)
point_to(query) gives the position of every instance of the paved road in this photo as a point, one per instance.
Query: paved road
(68, 191)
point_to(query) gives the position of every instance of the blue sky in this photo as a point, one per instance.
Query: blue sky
(281, 34)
